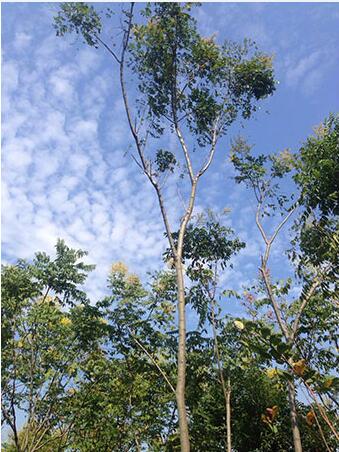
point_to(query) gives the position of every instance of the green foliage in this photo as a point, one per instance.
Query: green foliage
(95, 377)
(208, 247)
(128, 401)
(318, 168)
(303, 349)
(41, 354)
(207, 243)
(254, 78)
(80, 18)
(51, 442)
(63, 274)
(318, 333)
(253, 395)
(316, 228)
(165, 160)
(184, 76)
(262, 174)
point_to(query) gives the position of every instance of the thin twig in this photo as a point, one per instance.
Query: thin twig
(154, 362)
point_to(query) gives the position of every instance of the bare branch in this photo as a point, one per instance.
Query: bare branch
(281, 224)
(321, 409)
(139, 344)
(138, 163)
(321, 431)
(181, 198)
(186, 153)
(138, 142)
(274, 303)
(212, 151)
(109, 49)
(258, 223)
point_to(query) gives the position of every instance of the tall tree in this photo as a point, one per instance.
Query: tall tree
(189, 86)
(208, 248)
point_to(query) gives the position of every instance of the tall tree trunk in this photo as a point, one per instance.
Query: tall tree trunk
(294, 420)
(181, 379)
(228, 416)
(226, 389)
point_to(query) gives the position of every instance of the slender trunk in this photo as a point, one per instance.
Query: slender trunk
(228, 416)
(226, 389)
(293, 414)
(181, 379)
(16, 440)
(137, 443)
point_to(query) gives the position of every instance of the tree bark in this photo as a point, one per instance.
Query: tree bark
(226, 389)
(228, 416)
(181, 378)
(294, 420)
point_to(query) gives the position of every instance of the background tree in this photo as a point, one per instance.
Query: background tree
(316, 228)
(41, 352)
(292, 315)
(104, 375)
(187, 85)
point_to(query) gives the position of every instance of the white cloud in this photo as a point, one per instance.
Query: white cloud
(298, 70)
(22, 40)
(10, 76)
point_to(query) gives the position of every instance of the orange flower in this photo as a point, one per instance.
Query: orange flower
(310, 418)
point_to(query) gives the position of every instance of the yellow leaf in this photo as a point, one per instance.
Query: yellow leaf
(328, 383)
(271, 414)
(265, 419)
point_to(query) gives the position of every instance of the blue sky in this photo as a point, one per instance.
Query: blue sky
(66, 168)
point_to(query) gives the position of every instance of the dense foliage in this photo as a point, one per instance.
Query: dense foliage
(101, 377)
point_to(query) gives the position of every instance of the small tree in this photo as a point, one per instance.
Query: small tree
(208, 248)
(189, 86)
(40, 345)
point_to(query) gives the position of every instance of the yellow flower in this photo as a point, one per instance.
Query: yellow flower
(133, 280)
(299, 367)
(45, 299)
(271, 373)
(238, 324)
(119, 267)
(65, 321)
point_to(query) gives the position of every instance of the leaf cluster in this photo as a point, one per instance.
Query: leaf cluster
(185, 77)
(79, 18)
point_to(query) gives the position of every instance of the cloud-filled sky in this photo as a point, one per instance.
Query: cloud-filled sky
(66, 166)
